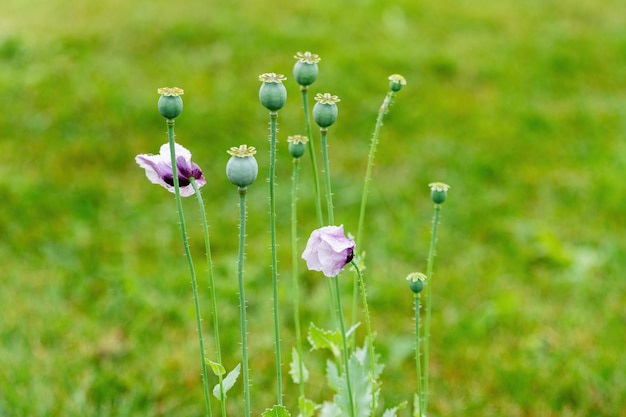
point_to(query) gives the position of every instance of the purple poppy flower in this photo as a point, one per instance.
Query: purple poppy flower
(159, 169)
(328, 250)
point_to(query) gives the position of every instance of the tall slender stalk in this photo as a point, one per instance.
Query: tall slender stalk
(370, 337)
(272, 181)
(194, 284)
(242, 299)
(384, 108)
(329, 192)
(210, 276)
(418, 359)
(311, 147)
(426, 330)
(294, 265)
(346, 354)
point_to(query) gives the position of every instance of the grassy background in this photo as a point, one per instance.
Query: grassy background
(520, 106)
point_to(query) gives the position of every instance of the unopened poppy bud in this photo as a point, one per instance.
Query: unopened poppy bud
(438, 192)
(297, 145)
(416, 281)
(242, 168)
(396, 82)
(305, 70)
(325, 110)
(272, 93)
(170, 103)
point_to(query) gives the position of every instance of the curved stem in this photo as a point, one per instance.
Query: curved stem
(242, 300)
(370, 337)
(272, 174)
(346, 360)
(194, 284)
(429, 275)
(210, 276)
(316, 181)
(294, 265)
(384, 108)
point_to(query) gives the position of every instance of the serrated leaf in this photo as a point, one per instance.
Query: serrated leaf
(294, 368)
(331, 410)
(332, 375)
(307, 407)
(217, 368)
(352, 329)
(276, 411)
(392, 412)
(228, 382)
(325, 339)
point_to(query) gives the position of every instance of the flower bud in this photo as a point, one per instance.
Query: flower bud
(438, 192)
(305, 70)
(325, 110)
(396, 81)
(297, 145)
(170, 103)
(416, 281)
(272, 93)
(242, 168)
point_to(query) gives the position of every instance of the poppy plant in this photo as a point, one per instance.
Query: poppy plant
(159, 169)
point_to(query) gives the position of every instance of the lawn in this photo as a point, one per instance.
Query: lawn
(519, 106)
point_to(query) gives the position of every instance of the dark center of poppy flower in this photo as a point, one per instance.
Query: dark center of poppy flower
(182, 181)
(350, 256)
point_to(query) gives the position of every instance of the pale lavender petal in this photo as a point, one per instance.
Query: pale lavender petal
(328, 250)
(159, 169)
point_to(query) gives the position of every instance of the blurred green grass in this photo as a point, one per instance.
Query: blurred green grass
(520, 106)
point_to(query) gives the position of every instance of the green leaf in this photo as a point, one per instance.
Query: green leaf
(307, 407)
(294, 368)
(325, 339)
(276, 411)
(217, 368)
(228, 382)
(332, 375)
(392, 412)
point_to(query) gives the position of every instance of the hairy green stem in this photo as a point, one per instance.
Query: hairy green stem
(329, 200)
(384, 108)
(192, 271)
(294, 266)
(346, 354)
(329, 192)
(370, 336)
(418, 359)
(316, 181)
(272, 181)
(210, 276)
(242, 300)
(429, 281)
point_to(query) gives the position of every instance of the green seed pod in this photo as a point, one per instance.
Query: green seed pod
(170, 103)
(305, 70)
(396, 81)
(242, 168)
(438, 192)
(416, 286)
(325, 114)
(272, 93)
(304, 73)
(297, 145)
(416, 281)
(325, 110)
